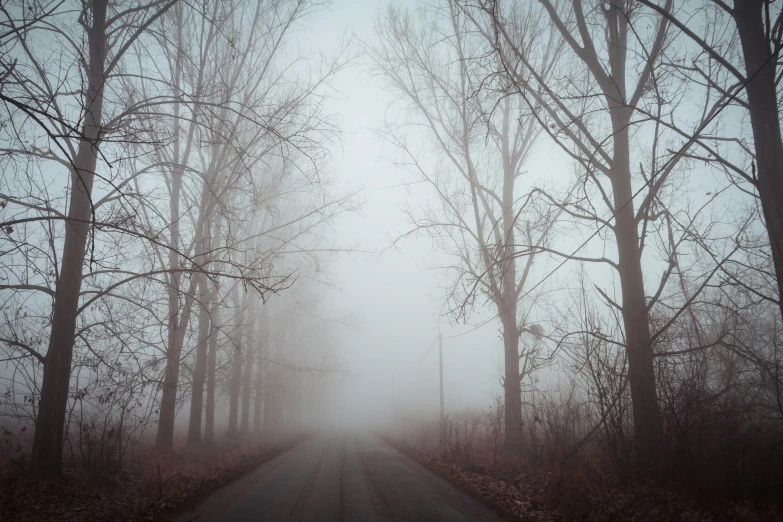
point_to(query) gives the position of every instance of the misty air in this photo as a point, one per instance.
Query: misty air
(415, 260)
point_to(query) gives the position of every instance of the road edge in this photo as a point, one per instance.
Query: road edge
(508, 509)
(170, 508)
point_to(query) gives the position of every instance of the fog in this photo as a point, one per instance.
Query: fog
(390, 295)
(508, 237)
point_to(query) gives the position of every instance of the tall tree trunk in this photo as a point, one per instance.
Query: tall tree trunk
(209, 417)
(205, 304)
(512, 388)
(179, 314)
(179, 321)
(648, 427)
(762, 100)
(268, 399)
(200, 368)
(508, 302)
(165, 435)
(236, 365)
(46, 457)
(260, 349)
(247, 380)
(164, 440)
(233, 404)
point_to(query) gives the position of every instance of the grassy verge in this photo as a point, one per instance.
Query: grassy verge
(503, 498)
(550, 496)
(155, 487)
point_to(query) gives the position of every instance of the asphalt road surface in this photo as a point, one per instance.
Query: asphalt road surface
(339, 477)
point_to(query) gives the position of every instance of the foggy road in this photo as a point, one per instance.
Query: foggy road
(339, 477)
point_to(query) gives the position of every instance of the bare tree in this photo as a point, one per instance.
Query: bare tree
(758, 26)
(484, 137)
(245, 117)
(599, 119)
(74, 141)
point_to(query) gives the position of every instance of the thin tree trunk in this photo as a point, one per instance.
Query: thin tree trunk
(164, 440)
(209, 416)
(180, 322)
(247, 380)
(179, 316)
(260, 349)
(233, 406)
(165, 435)
(762, 100)
(258, 397)
(236, 366)
(268, 399)
(200, 368)
(46, 457)
(512, 386)
(508, 308)
(204, 329)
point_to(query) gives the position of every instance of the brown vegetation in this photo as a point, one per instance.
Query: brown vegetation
(149, 486)
(553, 481)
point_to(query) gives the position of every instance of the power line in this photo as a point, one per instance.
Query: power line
(423, 356)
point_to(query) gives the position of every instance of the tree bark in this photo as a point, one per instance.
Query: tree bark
(206, 310)
(763, 104)
(233, 405)
(46, 457)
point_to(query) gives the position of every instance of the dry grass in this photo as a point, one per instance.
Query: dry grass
(151, 487)
(556, 489)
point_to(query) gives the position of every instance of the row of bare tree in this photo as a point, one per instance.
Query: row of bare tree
(194, 142)
(663, 118)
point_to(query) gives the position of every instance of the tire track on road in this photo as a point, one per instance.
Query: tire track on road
(304, 496)
(378, 498)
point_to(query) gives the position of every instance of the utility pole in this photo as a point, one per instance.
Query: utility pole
(440, 340)
(392, 396)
